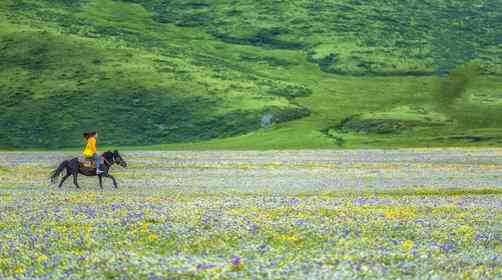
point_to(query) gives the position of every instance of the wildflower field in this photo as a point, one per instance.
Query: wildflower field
(421, 214)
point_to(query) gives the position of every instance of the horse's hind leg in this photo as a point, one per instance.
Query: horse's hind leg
(75, 182)
(63, 179)
(100, 181)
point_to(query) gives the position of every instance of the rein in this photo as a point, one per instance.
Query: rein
(107, 162)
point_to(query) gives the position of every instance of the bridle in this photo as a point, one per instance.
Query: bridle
(113, 160)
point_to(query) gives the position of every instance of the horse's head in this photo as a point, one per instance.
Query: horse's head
(118, 159)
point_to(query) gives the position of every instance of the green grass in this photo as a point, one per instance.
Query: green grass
(187, 75)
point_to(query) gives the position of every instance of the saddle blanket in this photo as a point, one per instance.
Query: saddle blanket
(88, 163)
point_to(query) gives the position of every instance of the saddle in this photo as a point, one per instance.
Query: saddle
(88, 163)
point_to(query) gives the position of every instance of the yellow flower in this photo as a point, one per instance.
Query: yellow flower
(408, 245)
(286, 237)
(77, 252)
(152, 237)
(402, 213)
(145, 227)
(87, 229)
(19, 269)
(42, 258)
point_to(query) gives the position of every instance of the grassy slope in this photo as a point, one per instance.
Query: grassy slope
(146, 88)
(199, 70)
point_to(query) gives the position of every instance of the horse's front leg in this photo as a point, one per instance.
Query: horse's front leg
(75, 182)
(100, 181)
(113, 180)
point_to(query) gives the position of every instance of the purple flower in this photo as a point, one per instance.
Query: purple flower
(254, 229)
(446, 246)
(116, 206)
(204, 266)
(300, 223)
(235, 261)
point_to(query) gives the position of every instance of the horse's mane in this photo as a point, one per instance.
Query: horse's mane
(108, 155)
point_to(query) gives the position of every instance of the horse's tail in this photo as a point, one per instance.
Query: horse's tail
(56, 172)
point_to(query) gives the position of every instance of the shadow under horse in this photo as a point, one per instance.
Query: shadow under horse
(73, 168)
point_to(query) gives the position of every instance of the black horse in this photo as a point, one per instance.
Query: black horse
(73, 168)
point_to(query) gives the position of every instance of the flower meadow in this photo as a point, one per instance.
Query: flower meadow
(257, 215)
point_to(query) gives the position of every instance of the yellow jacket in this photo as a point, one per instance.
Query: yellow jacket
(90, 148)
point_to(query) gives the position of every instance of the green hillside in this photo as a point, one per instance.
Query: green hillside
(251, 74)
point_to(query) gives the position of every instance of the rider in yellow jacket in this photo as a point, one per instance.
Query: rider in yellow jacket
(90, 150)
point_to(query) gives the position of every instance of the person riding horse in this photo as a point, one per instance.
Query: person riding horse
(74, 166)
(90, 150)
